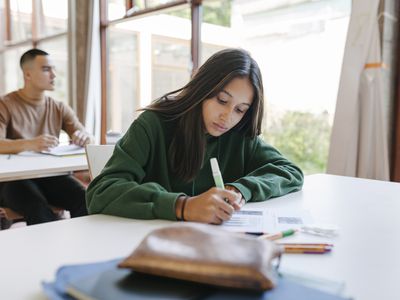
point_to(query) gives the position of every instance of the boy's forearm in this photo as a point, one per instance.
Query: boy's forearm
(8, 146)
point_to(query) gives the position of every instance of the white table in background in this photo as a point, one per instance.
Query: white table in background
(28, 165)
(366, 255)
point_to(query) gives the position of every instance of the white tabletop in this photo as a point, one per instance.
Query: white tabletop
(34, 165)
(365, 255)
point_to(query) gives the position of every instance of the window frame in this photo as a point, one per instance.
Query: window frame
(195, 44)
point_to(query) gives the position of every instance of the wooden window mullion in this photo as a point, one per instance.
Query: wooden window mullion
(103, 68)
(35, 22)
(195, 43)
(7, 9)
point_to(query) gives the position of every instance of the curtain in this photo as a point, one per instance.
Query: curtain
(93, 74)
(395, 174)
(86, 73)
(82, 17)
(359, 140)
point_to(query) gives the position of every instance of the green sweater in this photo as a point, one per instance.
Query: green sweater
(137, 182)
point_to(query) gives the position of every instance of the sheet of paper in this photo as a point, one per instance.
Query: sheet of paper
(266, 220)
(63, 150)
(246, 220)
(285, 219)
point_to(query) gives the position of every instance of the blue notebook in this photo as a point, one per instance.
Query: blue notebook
(105, 281)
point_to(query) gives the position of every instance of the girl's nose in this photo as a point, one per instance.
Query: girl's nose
(226, 115)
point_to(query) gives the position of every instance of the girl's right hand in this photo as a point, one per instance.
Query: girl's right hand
(213, 206)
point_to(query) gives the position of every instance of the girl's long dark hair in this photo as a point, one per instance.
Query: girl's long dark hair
(188, 146)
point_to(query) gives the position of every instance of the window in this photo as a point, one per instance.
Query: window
(11, 65)
(171, 61)
(123, 77)
(299, 47)
(57, 48)
(53, 17)
(147, 57)
(34, 24)
(21, 20)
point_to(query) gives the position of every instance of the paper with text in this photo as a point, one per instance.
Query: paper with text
(266, 220)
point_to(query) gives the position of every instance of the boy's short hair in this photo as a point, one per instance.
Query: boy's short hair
(30, 56)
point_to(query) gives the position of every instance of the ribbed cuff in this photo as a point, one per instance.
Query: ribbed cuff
(164, 206)
(243, 190)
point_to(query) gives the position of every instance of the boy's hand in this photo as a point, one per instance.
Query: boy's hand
(81, 138)
(42, 143)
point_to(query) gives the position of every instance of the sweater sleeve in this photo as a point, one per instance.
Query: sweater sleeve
(120, 189)
(4, 119)
(70, 122)
(268, 174)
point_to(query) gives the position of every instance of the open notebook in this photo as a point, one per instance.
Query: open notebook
(65, 150)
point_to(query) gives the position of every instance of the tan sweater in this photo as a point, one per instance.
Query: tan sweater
(20, 119)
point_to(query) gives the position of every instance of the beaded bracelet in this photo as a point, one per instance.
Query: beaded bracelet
(183, 208)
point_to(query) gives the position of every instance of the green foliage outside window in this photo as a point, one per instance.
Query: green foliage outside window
(214, 12)
(303, 138)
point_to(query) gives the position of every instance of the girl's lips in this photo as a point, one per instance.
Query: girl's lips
(219, 127)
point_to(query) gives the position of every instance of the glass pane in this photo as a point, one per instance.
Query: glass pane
(148, 57)
(116, 9)
(123, 74)
(299, 47)
(218, 12)
(54, 17)
(13, 78)
(58, 51)
(152, 3)
(171, 64)
(21, 19)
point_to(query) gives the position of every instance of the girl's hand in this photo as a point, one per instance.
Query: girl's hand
(213, 206)
(240, 200)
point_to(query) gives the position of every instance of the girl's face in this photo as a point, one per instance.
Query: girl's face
(228, 107)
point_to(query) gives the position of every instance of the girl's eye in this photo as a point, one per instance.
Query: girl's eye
(221, 101)
(240, 111)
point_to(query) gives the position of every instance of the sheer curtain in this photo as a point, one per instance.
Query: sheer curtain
(359, 141)
(86, 50)
(395, 172)
(93, 74)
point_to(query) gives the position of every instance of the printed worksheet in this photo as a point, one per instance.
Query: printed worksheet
(285, 219)
(247, 220)
(258, 221)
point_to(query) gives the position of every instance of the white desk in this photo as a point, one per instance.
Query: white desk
(366, 253)
(33, 165)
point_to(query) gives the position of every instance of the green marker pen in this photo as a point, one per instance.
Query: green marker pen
(278, 235)
(219, 183)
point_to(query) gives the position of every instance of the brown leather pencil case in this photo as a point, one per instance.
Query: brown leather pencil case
(206, 254)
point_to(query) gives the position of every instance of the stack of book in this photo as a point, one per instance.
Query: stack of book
(104, 280)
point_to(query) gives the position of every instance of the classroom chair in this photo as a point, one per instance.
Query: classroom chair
(97, 157)
(9, 216)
